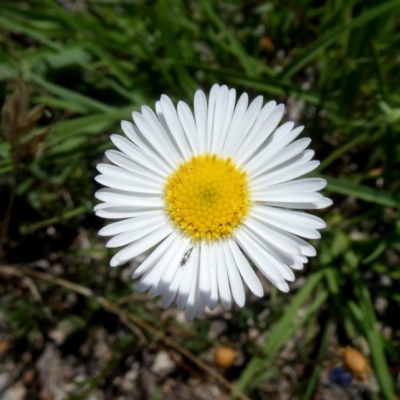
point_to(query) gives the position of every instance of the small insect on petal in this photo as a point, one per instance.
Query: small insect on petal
(186, 257)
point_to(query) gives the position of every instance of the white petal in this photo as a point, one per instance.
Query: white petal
(174, 264)
(154, 133)
(234, 277)
(325, 202)
(300, 186)
(102, 206)
(281, 285)
(297, 217)
(134, 184)
(158, 252)
(131, 223)
(127, 163)
(190, 273)
(273, 237)
(297, 223)
(137, 137)
(258, 255)
(283, 155)
(213, 275)
(248, 122)
(137, 231)
(189, 126)
(163, 122)
(123, 198)
(140, 246)
(297, 264)
(297, 160)
(221, 105)
(234, 128)
(285, 174)
(123, 173)
(173, 288)
(118, 172)
(153, 274)
(200, 305)
(210, 117)
(222, 277)
(277, 141)
(191, 305)
(175, 127)
(205, 279)
(274, 256)
(113, 211)
(152, 291)
(259, 135)
(139, 156)
(228, 119)
(306, 248)
(322, 203)
(245, 269)
(265, 112)
(265, 197)
(200, 113)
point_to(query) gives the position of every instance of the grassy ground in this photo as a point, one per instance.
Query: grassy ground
(87, 65)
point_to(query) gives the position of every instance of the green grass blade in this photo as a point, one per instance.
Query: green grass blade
(365, 318)
(313, 380)
(342, 150)
(283, 329)
(361, 192)
(249, 64)
(69, 95)
(315, 48)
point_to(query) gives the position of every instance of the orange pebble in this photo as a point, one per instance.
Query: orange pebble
(224, 357)
(267, 43)
(355, 361)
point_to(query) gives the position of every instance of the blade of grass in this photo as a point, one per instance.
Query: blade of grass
(375, 340)
(312, 308)
(361, 192)
(70, 95)
(283, 329)
(342, 150)
(66, 129)
(111, 63)
(14, 26)
(30, 228)
(267, 85)
(365, 319)
(313, 380)
(249, 65)
(315, 48)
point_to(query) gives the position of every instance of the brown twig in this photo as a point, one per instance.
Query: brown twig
(146, 375)
(132, 297)
(125, 316)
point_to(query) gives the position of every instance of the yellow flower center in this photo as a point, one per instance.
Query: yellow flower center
(207, 197)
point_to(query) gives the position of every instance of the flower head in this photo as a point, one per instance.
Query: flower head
(213, 191)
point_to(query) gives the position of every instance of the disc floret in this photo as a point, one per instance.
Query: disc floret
(207, 197)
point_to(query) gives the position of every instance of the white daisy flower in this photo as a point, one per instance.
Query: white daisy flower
(212, 191)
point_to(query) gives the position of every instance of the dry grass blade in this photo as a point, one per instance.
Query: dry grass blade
(18, 119)
(126, 318)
